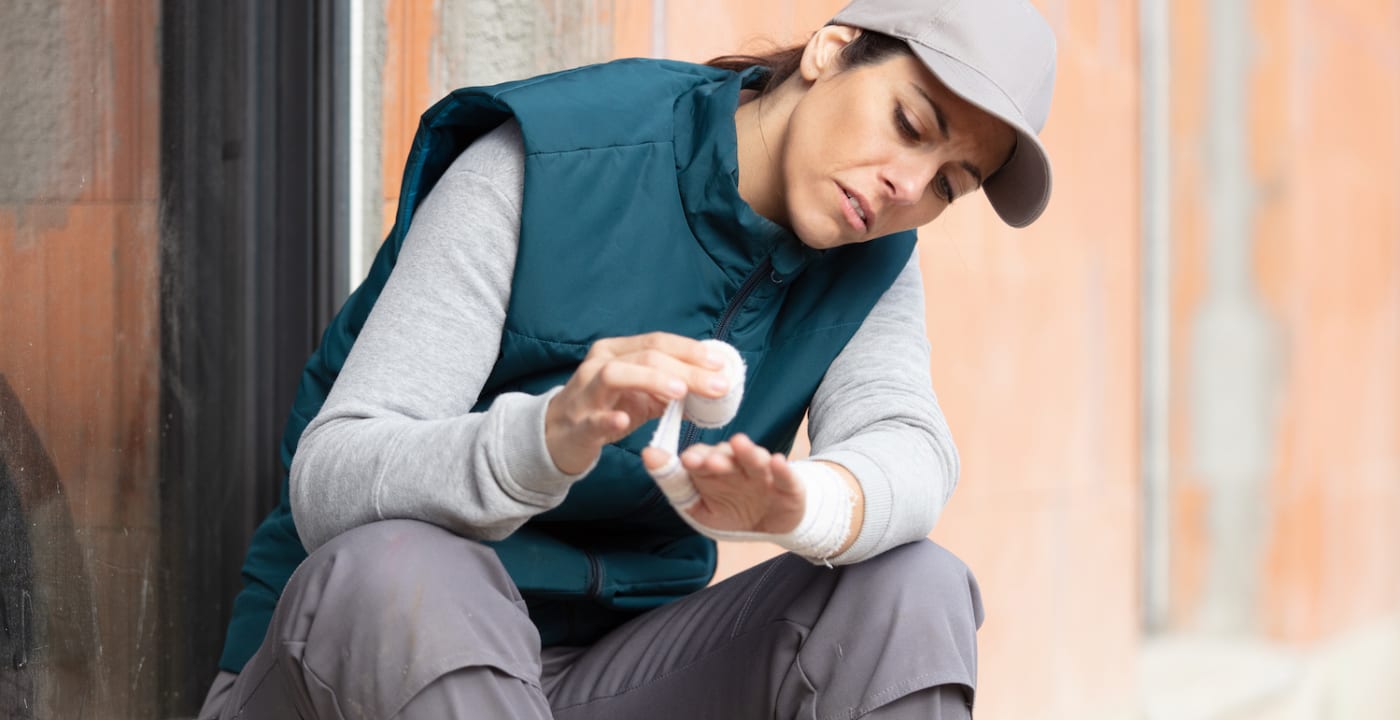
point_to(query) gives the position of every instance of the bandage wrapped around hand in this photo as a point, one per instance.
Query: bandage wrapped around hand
(826, 515)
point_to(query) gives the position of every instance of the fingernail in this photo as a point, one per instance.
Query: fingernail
(714, 358)
(718, 383)
(676, 388)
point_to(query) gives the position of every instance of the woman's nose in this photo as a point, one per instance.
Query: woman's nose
(906, 182)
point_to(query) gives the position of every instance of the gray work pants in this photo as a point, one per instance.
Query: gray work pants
(401, 619)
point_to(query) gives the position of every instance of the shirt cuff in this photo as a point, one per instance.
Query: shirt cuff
(530, 474)
(875, 486)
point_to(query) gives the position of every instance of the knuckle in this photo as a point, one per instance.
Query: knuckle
(603, 347)
(656, 340)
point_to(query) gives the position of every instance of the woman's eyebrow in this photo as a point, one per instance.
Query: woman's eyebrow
(973, 171)
(938, 115)
(942, 121)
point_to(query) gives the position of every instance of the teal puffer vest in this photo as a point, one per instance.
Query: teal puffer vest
(631, 223)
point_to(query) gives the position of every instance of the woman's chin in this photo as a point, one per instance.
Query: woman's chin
(822, 235)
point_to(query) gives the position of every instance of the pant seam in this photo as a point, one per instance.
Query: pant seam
(753, 593)
(243, 701)
(672, 671)
(437, 671)
(335, 699)
(802, 672)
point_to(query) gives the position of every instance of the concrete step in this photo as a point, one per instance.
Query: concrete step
(1355, 676)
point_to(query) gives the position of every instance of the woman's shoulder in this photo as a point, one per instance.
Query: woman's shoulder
(502, 146)
(497, 158)
(621, 69)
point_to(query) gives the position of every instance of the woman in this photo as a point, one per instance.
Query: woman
(475, 486)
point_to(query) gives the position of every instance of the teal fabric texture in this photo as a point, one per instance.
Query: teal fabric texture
(631, 223)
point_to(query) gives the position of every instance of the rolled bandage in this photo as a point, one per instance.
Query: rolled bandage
(673, 480)
(717, 412)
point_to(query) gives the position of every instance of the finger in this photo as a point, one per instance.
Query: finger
(751, 456)
(708, 460)
(698, 379)
(695, 455)
(683, 348)
(678, 346)
(618, 377)
(611, 424)
(719, 462)
(784, 479)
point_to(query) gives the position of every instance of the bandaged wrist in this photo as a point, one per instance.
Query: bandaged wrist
(826, 515)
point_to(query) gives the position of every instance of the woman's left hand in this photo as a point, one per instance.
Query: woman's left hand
(742, 486)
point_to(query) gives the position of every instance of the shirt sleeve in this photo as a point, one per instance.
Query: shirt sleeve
(396, 437)
(876, 415)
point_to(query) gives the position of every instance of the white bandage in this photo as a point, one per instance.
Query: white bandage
(717, 412)
(826, 515)
(673, 480)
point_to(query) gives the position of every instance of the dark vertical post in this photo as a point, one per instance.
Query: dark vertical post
(248, 282)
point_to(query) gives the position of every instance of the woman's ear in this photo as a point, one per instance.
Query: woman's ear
(823, 52)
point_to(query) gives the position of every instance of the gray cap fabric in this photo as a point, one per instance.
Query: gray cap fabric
(998, 55)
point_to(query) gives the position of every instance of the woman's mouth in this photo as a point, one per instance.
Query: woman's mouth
(854, 211)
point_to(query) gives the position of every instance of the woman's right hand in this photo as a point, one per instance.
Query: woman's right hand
(622, 383)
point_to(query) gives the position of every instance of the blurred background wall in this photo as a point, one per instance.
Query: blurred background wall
(79, 357)
(1175, 396)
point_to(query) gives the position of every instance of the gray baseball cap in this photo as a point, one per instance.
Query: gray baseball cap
(998, 55)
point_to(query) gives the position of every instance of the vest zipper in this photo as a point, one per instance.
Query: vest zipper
(763, 272)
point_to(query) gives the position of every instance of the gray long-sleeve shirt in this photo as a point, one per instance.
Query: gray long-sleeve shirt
(396, 437)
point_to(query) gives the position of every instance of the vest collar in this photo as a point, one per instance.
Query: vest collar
(706, 144)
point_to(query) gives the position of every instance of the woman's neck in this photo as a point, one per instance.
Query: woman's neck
(760, 124)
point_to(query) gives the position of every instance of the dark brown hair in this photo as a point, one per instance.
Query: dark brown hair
(867, 49)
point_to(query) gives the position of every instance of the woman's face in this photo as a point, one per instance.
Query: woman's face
(876, 149)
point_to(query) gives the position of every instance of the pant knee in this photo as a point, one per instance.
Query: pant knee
(923, 569)
(895, 624)
(380, 566)
(381, 611)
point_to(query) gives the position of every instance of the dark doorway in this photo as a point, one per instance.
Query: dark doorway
(250, 273)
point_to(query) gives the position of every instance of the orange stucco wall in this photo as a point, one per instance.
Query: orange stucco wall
(1322, 149)
(79, 321)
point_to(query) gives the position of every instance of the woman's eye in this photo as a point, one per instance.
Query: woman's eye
(945, 188)
(906, 128)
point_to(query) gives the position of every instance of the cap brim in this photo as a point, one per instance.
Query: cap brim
(1020, 189)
